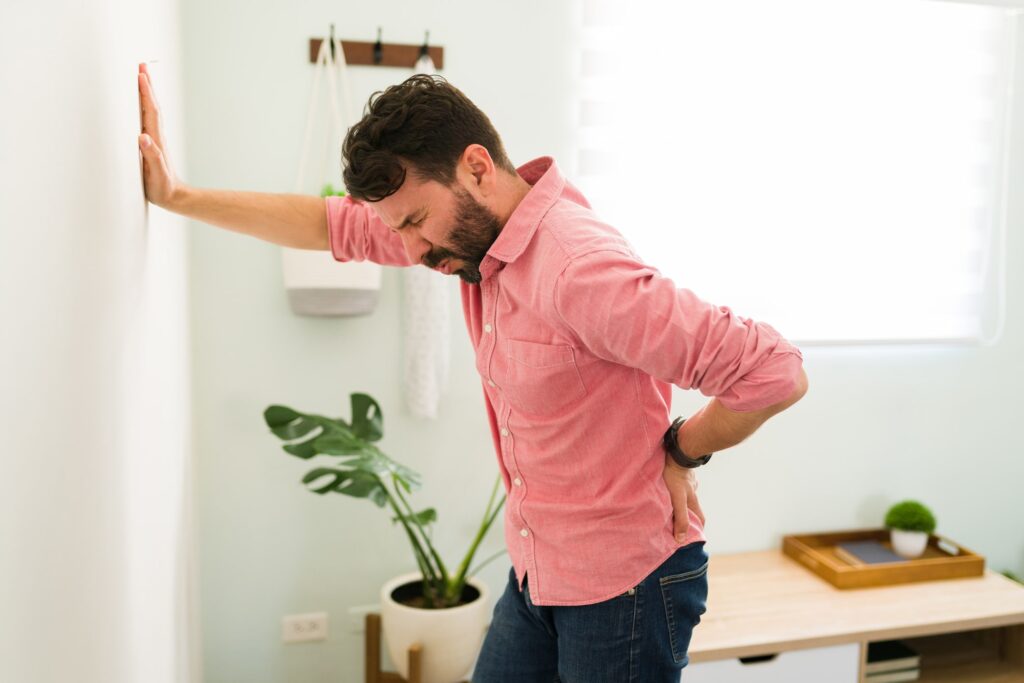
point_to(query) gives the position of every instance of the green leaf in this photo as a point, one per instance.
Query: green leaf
(367, 419)
(277, 416)
(295, 430)
(424, 517)
(350, 482)
(380, 497)
(313, 475)
(303, 450)
(312, 434)
(338, 442)
(359, 485)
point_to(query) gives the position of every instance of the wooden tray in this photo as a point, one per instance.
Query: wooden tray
(942, 559)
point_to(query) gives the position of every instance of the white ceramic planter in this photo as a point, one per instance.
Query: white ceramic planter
(908, 544)
(451, 638)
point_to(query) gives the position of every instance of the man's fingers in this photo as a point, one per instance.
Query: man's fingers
(695, 506)
(152, 156)
(681, 520)
(150, 109)
(682, 489)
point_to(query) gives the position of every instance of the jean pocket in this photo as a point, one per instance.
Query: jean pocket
(685, 597)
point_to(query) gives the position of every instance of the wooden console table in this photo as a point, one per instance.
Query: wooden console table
(765, 603)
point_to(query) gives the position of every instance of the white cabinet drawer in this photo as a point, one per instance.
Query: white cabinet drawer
(833, 664)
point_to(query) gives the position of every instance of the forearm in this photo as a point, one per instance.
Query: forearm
(291, 220)
(714, 427)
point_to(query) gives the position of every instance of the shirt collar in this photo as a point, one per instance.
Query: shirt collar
(547, 185)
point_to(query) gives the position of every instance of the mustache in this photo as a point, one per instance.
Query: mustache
(435, 256)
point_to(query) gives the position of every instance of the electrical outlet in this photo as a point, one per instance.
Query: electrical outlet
(357, 617)
(296, 628)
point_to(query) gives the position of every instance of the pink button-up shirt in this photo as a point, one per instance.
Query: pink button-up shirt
(578, 343)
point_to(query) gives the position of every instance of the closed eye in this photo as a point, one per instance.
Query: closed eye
(409, 221)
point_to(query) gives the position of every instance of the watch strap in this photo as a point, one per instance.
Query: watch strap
(671, 444)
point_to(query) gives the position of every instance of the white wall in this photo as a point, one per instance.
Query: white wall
(94, 544)
(878, 424)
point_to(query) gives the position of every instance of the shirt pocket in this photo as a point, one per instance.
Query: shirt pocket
(542, 378)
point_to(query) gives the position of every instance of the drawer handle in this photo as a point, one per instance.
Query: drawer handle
(757, 659)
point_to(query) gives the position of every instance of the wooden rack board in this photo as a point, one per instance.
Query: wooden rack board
(392, 54)
(373, 672)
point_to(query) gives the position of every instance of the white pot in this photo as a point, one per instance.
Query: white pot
(451, 638)
(908, 544)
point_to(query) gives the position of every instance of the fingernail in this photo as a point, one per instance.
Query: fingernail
(145, 142)
(680, 537)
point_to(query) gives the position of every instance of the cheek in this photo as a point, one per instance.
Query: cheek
(437, 237)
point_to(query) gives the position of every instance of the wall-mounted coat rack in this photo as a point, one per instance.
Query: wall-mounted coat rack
(381, 54)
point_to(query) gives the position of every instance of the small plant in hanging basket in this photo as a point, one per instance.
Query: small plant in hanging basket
(329, 191)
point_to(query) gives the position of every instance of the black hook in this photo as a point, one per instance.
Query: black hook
(424, 51)
(332, 42)
(378, 49)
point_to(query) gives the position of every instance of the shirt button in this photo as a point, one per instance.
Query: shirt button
(488, 328)
(524, 533)
(517, 481)
(490, 383)
(504, 432)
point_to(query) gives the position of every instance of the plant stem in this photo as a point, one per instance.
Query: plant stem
(412, 515)
(460, 576)
(421, 558)
(483, 564)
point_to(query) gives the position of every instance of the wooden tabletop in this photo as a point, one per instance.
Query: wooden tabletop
(765, 602)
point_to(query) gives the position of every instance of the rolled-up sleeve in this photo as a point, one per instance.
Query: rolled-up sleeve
(627, 312)
(356, 233)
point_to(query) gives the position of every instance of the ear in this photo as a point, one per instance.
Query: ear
(477, 170)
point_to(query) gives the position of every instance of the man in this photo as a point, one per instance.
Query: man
(577, 343)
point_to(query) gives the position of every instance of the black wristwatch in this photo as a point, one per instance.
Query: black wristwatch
(671, 444)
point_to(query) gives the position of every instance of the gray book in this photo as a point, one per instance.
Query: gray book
(866, 552)
(891, 656)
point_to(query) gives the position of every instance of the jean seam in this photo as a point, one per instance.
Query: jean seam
(686, 576)
(666, 599)
(633, 645)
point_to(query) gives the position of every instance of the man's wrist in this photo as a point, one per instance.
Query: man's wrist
(689, 437)
(675, 452)
(177, 202)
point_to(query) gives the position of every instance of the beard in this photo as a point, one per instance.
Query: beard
(475, 230)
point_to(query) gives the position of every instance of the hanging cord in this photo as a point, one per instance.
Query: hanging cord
(343, 111)
(337, 121)
(340, 113)
(314, 91)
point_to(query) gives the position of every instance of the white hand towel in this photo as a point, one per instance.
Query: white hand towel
(427, 327)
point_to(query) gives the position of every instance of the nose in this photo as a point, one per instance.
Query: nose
(415, 246)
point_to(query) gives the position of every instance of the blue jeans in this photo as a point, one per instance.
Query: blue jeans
(640, 636)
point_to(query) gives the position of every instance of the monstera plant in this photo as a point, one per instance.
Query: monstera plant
(363, 471)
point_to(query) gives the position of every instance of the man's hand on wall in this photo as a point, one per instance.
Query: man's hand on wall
(159, 180)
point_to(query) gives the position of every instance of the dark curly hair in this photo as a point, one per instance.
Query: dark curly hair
(424, 124)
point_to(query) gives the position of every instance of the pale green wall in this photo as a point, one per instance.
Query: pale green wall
(878, 424)
(268, 548)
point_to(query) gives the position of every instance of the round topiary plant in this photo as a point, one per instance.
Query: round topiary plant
(910, 515)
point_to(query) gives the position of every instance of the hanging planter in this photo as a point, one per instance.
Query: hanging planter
(316, 283)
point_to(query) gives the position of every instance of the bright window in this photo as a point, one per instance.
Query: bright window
(836, 168)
